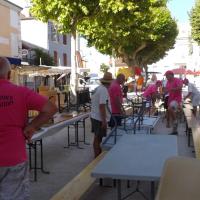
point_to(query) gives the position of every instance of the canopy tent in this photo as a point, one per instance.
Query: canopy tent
(41, 70)
(183, 71)
(14, 61)
(179, 71)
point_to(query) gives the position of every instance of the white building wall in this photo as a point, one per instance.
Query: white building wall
(15, 37)
(35, 32)
(93, 57)
(61, 49)
(186, 52)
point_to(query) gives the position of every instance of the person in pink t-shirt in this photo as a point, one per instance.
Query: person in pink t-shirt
(15, 102)
(116, 99)
(151, 92)
(174, 88)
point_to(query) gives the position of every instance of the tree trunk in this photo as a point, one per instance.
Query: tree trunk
(73, 77)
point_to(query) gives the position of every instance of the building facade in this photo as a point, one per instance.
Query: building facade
(37, 34)
(10, 31)
(186, 53)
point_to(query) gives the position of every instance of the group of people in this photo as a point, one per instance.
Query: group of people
(16, 130)
(106, 99)
(109, 96)
(172, 93)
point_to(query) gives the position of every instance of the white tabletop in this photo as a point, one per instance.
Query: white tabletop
(146, 122)
(47, 131)
(137, 157)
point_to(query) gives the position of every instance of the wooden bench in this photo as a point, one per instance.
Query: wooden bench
(192, 128)
(191, 121)
(80, 184)
(196, 140)
(180, 179)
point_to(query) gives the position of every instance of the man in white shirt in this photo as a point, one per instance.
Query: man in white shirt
(193, 93)
(100, 115)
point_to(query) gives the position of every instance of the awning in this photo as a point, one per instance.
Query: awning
(14, 61)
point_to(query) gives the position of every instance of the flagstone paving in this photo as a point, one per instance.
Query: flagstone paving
(65, 163)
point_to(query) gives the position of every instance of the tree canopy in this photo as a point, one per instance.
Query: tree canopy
(195, 21)
(138, 31)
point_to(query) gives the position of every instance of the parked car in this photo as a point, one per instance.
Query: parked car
(92, 83)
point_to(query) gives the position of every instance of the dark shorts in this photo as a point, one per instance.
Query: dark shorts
(166, 102)
(118, 120)
(97, 129)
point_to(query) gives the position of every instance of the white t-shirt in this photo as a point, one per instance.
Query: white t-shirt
(193, 89)
(195, 94)
(100, 96)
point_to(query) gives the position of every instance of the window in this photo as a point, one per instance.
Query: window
(54, 33)
(64, 59)
(64, 39)
(55, 55)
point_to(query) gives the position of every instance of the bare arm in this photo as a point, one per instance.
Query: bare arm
(119, 104)
(188, 95)
(48, 110)
(102, 108)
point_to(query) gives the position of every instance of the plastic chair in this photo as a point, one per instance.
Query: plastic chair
(180, 179)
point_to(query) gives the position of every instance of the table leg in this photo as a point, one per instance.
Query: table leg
(119, 194)
(152, 190)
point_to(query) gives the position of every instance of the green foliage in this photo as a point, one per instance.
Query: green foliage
(138, 31)
(66, 14)
(163, 38)
(104, 68)
(45, 58)
(195, 21)
(144, 25)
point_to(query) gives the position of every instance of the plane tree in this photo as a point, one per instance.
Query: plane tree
(165, 30)
(124, 27)
(139, 37)
(66, 15)
(195, 21)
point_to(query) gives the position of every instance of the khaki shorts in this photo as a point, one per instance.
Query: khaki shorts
(174, 105)
(14, 182)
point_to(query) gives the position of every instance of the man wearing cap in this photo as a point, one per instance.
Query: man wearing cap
(116, 98)
(100, 116)
(194, 94)
(174, 88)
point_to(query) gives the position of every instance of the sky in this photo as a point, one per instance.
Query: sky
(179, 8)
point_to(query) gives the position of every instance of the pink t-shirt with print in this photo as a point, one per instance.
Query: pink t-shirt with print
(15, 101)
(149, 91)
(115, 90)
(174, 95)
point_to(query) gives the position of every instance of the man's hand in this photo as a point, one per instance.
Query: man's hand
(28, 132)
(104, 125)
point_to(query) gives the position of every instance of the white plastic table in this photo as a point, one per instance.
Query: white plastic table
(137, 157)
(48, 131)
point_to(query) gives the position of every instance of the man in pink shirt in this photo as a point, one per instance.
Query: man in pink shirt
(151, 91)
(15, 102)
(116, 99)
(151, 94)
(174, 88)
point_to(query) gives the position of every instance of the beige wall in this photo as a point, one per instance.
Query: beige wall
(6, 32)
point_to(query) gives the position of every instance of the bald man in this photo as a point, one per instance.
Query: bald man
(116, 99)
(15, 130)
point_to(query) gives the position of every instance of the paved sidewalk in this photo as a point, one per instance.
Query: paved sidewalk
(65, 163)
